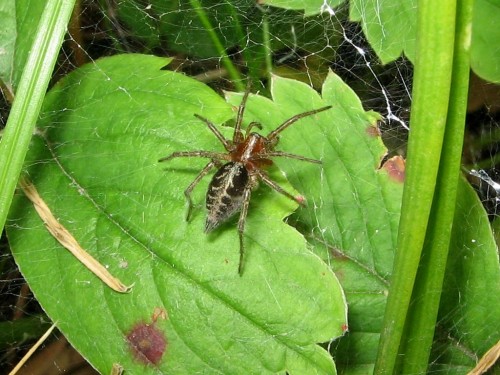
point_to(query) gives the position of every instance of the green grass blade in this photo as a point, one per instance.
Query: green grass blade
(429, 283)
(29, 97)
(436, 25)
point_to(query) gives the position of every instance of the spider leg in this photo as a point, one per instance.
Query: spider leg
(237, 135)
(293, 119)
(217, 133)
(195, 182)
(201, 154)
(273, 185)
(251, 125)
(288, 155)
(241, 224)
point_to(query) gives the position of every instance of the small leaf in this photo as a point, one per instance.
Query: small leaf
(390, 27)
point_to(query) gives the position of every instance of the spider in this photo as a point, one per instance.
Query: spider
(239, 170)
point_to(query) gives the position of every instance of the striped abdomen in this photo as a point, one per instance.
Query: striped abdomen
(225, 193)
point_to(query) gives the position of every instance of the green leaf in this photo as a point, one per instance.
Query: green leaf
(103, 128)
(485, 37)
(472, 278)
(389, 26)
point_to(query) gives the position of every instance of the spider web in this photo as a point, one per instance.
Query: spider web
(299, 47)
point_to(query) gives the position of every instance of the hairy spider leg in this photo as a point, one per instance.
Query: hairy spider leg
(241, 223)
(251, 125)
(193, 184)
(287, 155)
(218, 134)
(292, 120)
(237, 135)
(200, 153)
(215, 156)
(273, 185)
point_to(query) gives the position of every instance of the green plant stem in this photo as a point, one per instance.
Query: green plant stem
(267, 46)
(29, 97)
(430, 276)
(432, 79)
(226, 61)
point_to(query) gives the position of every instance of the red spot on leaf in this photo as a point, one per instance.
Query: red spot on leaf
(147, 342)
(395, 168)
(373, 131)
(301, 200)
(345, 328)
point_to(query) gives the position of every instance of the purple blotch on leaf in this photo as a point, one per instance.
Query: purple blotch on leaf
(147, 342)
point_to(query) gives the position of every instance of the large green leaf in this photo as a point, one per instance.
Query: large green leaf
(102, 130)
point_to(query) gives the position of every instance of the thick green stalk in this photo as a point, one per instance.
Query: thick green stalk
(432, 79)
(29, 97)
(430, 276)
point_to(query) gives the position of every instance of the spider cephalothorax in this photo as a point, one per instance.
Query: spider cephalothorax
(239, 170)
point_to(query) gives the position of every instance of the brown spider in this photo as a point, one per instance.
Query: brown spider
(247, 155)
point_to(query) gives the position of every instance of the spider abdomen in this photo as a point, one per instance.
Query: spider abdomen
(225, 193)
